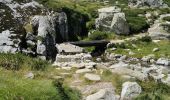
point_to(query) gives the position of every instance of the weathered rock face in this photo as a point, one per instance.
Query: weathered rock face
(44, 29)
(15, 12)
(111, 19)
(35, 29)
(150, 3)
(13, 15)
(160, 29)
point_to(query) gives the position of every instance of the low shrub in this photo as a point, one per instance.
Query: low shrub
(20, 61)
(11, 61)
(166, 18)
(39, 64)
(153, 91)
(90, 25)
(137, 24)
(145, 39)
(98, 35)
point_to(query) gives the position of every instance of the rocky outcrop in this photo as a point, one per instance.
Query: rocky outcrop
(16, 12)
(148, 3)
(160, 29)
(113, 20)
(44, 31)
(13, 15)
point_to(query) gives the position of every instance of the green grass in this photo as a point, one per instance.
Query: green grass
(20, 61)
(14, 86)
(146, 48)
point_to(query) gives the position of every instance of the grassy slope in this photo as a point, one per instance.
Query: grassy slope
(14, 86)
(145, 49)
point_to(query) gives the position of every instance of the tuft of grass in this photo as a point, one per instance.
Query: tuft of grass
(20, 61)
(116, 80)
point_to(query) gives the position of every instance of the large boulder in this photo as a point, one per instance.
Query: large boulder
(149, 3)
(113, 20)
(103, 94)
(44, 29)
(130, 90)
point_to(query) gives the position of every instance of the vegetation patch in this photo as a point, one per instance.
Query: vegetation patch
(141, 48)
(154, 91)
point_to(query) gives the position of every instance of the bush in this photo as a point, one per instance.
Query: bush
(153, 91)
(166, 18)
(137, 24)
(98, 35)
(146, 39)
(11, 61)
(90, 25)
(39, 64)
(167, 2)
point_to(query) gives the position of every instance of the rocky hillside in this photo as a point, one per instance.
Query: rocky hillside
(34, 27)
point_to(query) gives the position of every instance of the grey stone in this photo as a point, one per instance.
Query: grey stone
(92, 77)
(103, 94)
(163, 61)
(67, 48)
(29, 75)
(130, 90)
(155, 49)
(80, 71)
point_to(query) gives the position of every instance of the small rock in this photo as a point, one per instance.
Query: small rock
(130, 90)
(99, 59)
(29, 75)
(163, 61)
(155, 49)
(113, 49)
(148, 58)
(92, 77)
(80, 71)
(103, 94)
(119, 65)
(131, 53)
(66, 68)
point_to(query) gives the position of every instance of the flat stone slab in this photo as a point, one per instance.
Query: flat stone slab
(80, 71)
(92, 77)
